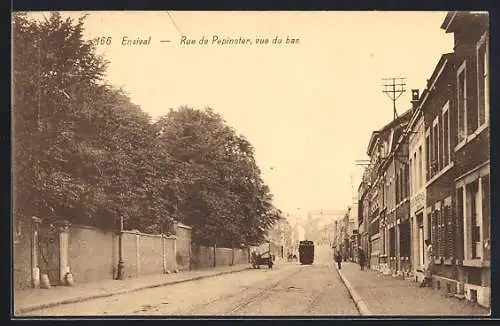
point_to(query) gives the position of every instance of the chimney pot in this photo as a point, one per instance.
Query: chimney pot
(415, 94)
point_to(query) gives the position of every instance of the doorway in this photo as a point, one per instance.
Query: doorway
(421, 244)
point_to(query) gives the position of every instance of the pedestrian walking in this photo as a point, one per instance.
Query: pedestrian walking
(429, 265)
(338, 259)
(361, 258)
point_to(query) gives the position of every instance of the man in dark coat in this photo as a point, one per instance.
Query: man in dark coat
(362, 258)
(338, 259)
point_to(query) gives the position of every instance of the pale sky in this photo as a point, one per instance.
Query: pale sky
(307, 108)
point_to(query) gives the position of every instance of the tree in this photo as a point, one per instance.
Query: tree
(48, 57)
(225, 199)
(84, 152)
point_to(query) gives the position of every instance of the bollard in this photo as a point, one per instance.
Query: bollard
(44, 281)
(68, 279)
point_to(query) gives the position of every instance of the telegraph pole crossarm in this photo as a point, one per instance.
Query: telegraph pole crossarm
(394, 88)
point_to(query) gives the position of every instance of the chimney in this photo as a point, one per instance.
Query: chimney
(414, 98)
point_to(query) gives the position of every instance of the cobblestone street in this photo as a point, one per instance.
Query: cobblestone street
(387, 295)
(287, 289)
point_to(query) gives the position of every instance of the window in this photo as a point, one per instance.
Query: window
(420, 176)
(473, 209)
(397, 187)
(462, 103)
(416, 164)
(485, 190)
(483, 80)
(435, 147)
(460, 222)
(403, 182)
(412, 181)
(392, 242)
(446, 135)
(400, 184)
(428, 156)
(406, 180)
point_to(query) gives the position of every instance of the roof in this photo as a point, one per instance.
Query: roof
(442, 64)
(375, 135)
(371, 143)
(455, 20)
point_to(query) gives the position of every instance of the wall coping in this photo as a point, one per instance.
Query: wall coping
(88, 227)
(149, 235)
(184, 226)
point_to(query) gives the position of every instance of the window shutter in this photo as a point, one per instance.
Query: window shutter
(440, 233)
(450, 243)
(434, 230)
(443, 233)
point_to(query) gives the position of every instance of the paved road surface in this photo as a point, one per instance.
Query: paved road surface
(287, 289)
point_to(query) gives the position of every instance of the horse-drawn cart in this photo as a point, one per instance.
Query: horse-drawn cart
(262, 259)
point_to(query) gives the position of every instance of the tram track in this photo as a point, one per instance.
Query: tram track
(264, 289)
(263, 294)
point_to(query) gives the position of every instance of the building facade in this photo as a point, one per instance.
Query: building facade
(439, 123)
(363, 208)
(470, 146)
(429, 173)
(417, 164)
(387, 196)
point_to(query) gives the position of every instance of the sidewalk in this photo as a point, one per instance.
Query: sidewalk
(377, 294)
(34, 299)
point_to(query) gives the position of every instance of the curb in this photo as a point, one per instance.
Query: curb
(358, 300)
(110, 294)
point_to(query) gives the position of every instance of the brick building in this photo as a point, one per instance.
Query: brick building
(470, 143)
(386, 195)
(445, 138)
(417, 165)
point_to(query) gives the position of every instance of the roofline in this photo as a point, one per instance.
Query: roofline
(436, 74)
(450, 17)
(371, 142)
(385, 128)
(454, 17)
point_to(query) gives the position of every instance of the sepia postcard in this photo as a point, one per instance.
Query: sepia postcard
(251, 163)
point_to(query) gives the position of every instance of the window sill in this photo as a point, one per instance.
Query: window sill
(437, 176)
(476, 263)
(471, 137)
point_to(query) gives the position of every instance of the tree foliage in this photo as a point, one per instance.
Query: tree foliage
(84, 152)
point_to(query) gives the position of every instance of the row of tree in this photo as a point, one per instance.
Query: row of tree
(84, 152)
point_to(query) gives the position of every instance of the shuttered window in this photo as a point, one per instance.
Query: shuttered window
(450, 232)
(440, 234)
(434, 232)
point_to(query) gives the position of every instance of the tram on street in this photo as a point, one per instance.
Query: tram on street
(306, 252)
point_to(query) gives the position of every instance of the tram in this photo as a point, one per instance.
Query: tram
(306, 252)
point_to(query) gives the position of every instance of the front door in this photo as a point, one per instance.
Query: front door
(420, 239)
(48, 253)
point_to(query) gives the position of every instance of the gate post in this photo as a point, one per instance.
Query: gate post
(35, 270)
(63, 228)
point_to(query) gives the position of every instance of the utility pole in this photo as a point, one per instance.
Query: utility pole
(394, 88)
